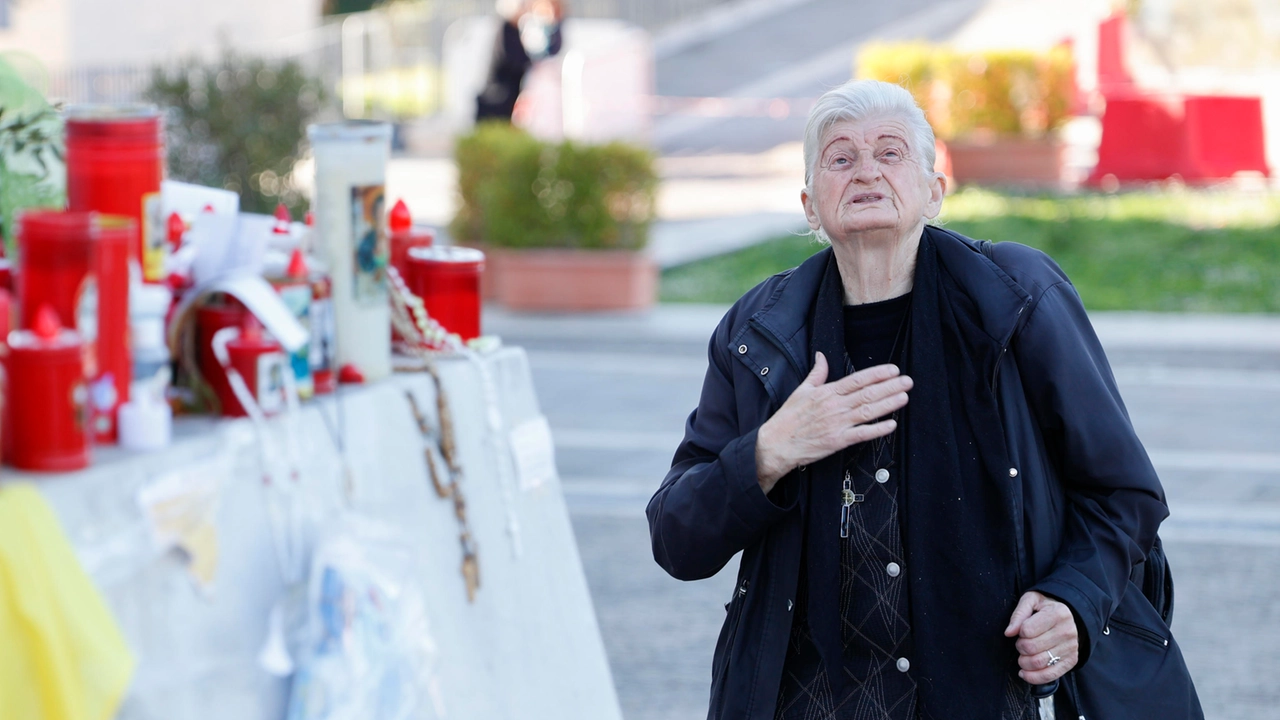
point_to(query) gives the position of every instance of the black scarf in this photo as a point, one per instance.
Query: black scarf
(958, 513)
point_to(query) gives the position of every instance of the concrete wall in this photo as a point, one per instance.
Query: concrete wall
(106, 33)
(1232, 35)
(80, 33)
(40, 28)
(528, 647)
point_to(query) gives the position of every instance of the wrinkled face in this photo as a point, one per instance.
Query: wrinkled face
(869, 179)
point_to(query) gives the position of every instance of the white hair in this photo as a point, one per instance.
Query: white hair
(859, 100)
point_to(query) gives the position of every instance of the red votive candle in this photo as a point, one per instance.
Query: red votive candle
(47, 399)
(77, 263)
(261, 362)
(115, 162)
(209, 320)
(448, 281)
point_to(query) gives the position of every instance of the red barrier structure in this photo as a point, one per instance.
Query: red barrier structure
(1199, 138)
(1113, 73)
(1224, 136)
(1153, 136)
(1141, 138)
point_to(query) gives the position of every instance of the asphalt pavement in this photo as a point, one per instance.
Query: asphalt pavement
(793, 54)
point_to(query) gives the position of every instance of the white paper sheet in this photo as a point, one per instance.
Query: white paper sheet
(534, 452)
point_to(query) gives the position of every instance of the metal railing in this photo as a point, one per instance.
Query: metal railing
(100, 84)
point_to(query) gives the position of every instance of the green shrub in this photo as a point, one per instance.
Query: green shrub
(1006, 92)
(520, 192)
(32, 165)
(238, 124)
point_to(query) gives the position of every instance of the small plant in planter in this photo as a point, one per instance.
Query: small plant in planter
(564, 224)
(998, 112)
(32, 164)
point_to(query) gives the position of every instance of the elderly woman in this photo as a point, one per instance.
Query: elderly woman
(916, 443)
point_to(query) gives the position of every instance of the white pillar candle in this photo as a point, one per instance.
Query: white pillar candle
(350, 207)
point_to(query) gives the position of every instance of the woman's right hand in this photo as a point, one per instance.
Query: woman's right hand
(822, 418)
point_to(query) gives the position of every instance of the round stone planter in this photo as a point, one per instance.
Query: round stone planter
(997, 160)
(559, 280)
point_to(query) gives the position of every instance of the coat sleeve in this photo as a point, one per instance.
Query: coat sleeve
(710, 505)
(1115, 500)
(513, 60)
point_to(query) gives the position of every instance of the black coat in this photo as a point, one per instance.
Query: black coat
(1091, 501)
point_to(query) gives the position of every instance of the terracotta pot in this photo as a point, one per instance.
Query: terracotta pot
(574, 280)
(997, 160)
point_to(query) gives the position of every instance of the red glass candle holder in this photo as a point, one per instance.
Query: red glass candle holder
(209, 320)
(448, 281)
(115, 162)
(77, 263)
(47, 406)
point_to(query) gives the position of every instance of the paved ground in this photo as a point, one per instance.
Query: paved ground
(1203, 392)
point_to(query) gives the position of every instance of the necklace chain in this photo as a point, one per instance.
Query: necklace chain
(898, 337)
(878, 446)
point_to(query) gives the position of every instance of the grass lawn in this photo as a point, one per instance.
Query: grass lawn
(1163, 250)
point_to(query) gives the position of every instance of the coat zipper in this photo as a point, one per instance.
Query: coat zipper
(1139, 631)
(1019, 579)
(1004, 348)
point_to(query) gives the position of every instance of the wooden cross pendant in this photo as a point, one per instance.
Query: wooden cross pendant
(848, 497)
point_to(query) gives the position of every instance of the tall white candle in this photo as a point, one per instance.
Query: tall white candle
(351, 169)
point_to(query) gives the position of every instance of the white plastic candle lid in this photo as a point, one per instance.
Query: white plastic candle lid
(126, 111)
(349, 131)
(145, 424)
(447, 254)
(22, 340)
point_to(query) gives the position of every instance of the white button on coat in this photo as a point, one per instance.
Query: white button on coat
(882, 476)
(742, 349)
(1013, 472)
(903, 664)
(894, 569)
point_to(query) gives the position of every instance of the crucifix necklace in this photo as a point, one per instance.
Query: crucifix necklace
(850, 497)
(881, 461)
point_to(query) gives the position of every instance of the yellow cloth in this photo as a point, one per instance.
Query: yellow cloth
(61, 655)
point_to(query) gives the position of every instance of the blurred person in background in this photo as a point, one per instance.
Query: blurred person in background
(529, 29)
(916, 443)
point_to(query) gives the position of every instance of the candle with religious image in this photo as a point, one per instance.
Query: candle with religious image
(351, 167)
